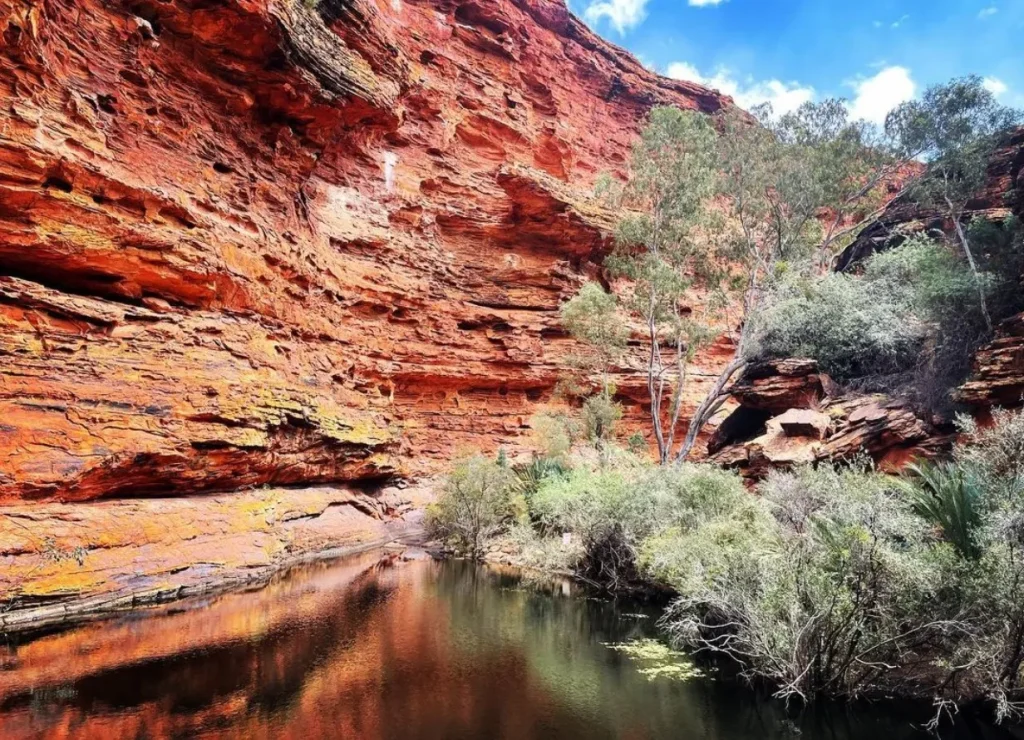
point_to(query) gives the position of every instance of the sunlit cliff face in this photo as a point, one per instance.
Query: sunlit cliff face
(261, 243)
(251, 246)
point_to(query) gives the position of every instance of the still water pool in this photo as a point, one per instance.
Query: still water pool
(384, 647)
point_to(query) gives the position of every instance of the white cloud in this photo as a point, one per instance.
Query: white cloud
(684, 71)
(901, 21)
(622, 14)
(988, 12)
(783, 96)
(705, 3)
(995, 86)
(875, 96)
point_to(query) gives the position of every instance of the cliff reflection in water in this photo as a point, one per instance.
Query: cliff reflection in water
(381, 648)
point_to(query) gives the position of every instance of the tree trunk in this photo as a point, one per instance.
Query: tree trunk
(962, 236)
(654, 391)
(710, 405)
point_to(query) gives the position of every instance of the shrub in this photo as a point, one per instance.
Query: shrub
(534, 474)
(1000, 249)
(948, 497)
(845, 582)
(612, 511)
(996, 455)
(835, 581)
(600, 413)
(814, 587)
(911, 320)
(553, 434)
(990, 590)
(852, 328)
(476, 503)
(943, 295)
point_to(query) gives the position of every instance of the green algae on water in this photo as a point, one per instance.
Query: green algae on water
(658, 660)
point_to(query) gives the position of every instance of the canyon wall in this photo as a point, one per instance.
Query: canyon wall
(273, 242)
(252, 248)
(260, 259)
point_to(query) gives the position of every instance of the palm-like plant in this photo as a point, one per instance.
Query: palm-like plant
(949, 497)
(531, 476)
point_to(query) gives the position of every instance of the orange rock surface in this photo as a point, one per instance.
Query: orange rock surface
(288, 244)
(789, 413)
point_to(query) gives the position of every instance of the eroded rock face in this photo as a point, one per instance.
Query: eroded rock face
(65, 563)
(790, 413)
(1002, 196)
(997, 377)
(283, 244)
(259, 242)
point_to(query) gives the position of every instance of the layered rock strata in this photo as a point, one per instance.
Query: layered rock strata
(286, 244)
(790, 414)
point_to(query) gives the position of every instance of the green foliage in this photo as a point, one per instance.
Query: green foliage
(996, 455)
(636, 443)
(613, 511)
(953, 127)
(848, 582)
(531, 476)
(911, 321)
(554, 434)
(947, 496)
(778, 179)
(846, 168)
(476, 503)
(592, 317)
(812, 586)
(835, 581)
(920, 308)
(663, 250)
(989, 588)
(727, 214)
(600, 413)
(535, 550)
(937, 282)
(1000, 249)
(854, 328)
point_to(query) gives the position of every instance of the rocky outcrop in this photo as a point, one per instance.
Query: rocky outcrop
(1002, 196)
(790, 413)
(290, 244)
(67, 563)
(997, 377)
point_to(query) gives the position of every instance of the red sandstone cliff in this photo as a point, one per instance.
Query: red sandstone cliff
(254, 242)
(257, 243)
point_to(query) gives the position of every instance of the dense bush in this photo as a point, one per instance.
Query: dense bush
(846, 582)
(612, 511)
(910, 321)
(821, 587)
(989, 588)
(477, 501)
(837, 581)
(854, 328)
(1000, 249)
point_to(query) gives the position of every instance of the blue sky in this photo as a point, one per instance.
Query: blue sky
(876, 53)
